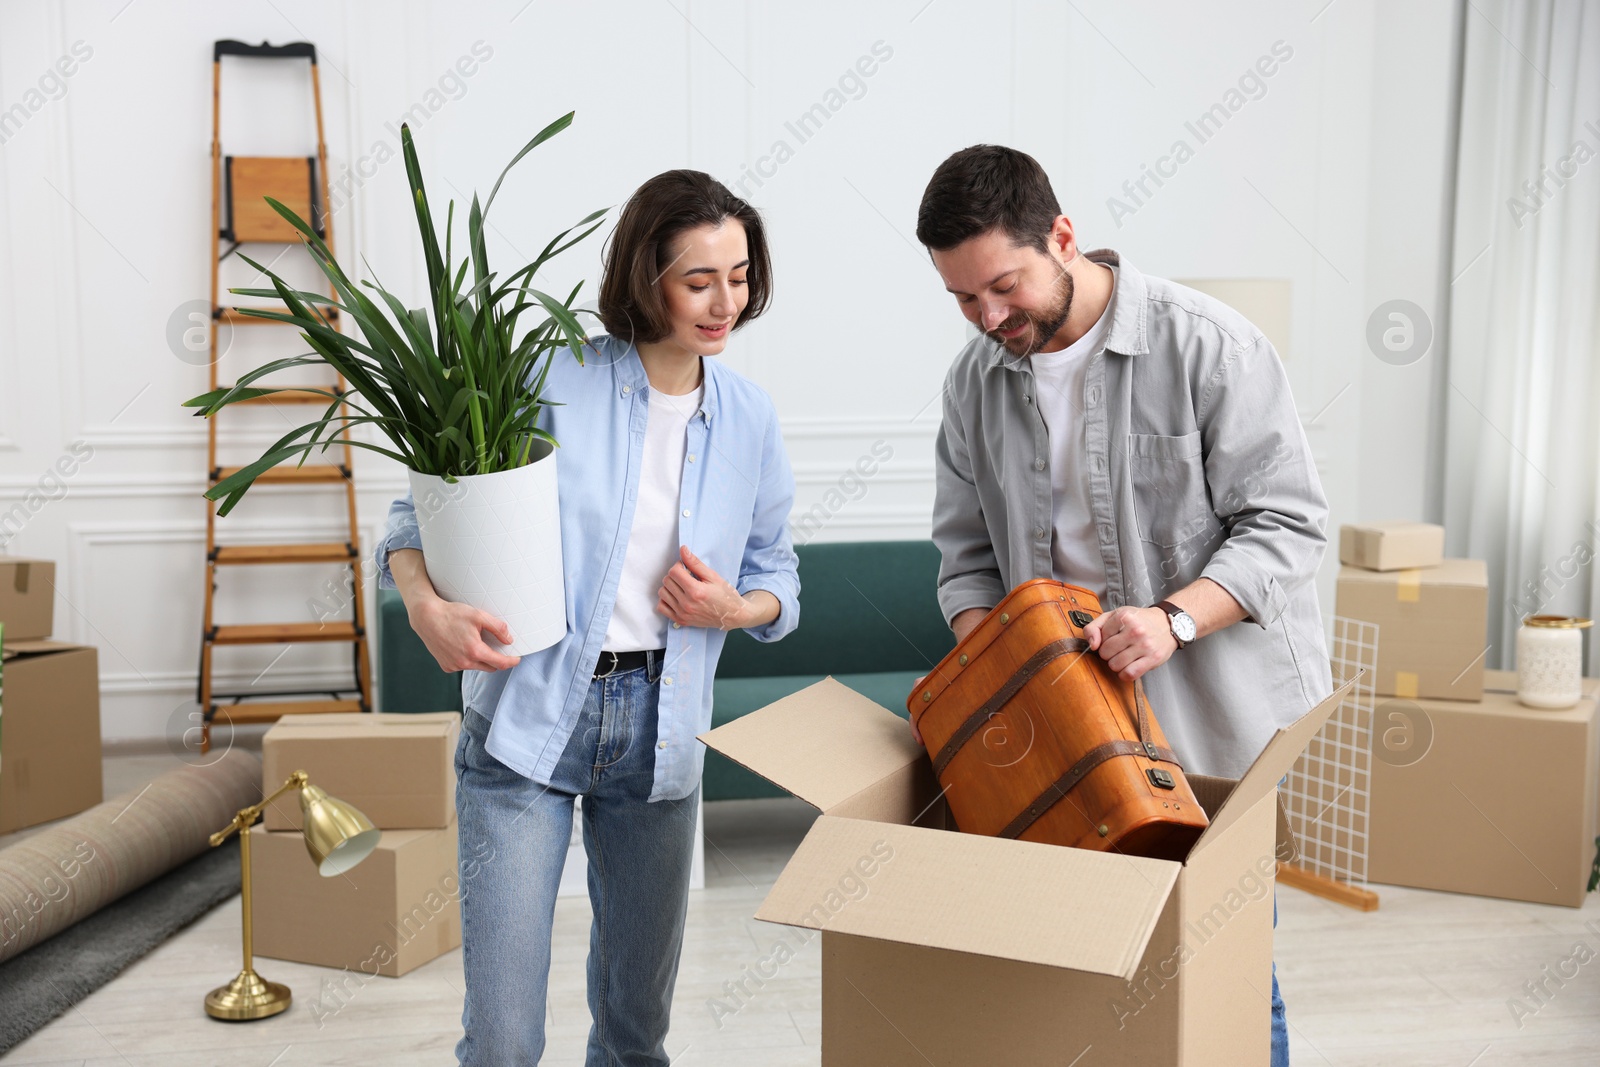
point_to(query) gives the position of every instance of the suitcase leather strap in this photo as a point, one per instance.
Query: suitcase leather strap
(1092, 759)
(1024, 674)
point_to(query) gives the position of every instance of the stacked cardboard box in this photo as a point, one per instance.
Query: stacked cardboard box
(1489, 797)
(50, 722)
(1470, 791)
(1431, 612)
(401, 906)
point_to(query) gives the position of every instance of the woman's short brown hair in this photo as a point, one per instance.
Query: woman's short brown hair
(638, 252)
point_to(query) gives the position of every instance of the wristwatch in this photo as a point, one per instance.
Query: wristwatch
(1183, 626)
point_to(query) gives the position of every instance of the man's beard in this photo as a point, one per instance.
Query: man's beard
(1045, 323)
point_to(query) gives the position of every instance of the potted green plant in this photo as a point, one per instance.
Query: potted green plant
(456, 392)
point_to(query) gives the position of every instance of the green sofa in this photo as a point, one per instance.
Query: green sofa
(868, 616)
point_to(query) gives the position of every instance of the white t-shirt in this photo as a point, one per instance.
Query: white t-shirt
(1058, 381)
(653, 539)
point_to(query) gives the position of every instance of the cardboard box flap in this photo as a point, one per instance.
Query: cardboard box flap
(1017, 900)
(1274, 762)
(823, 744)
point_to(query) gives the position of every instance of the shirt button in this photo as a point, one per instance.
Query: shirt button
(686, 513)
(691, 457)
(1027, 398)
(667, 680)
(626, 389)
(661, 744)
(1038, 531)
(677, 626)
(1038, 464)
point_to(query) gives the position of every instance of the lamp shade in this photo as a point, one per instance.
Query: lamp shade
(337, 835)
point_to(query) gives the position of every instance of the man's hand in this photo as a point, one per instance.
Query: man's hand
(1132, 641)
(454, 635)
(692, 594)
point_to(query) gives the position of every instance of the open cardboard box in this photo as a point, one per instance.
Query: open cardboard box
(979, 950)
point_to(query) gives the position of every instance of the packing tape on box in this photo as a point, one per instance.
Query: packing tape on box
(1408, 586)
(22, 575)
(1405, 685)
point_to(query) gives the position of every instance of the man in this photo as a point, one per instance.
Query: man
(1134, 437)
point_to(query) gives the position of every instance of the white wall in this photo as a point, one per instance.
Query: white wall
(1336, 177)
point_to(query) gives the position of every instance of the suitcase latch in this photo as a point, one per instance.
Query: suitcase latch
(1161, 778)
(1080, 619)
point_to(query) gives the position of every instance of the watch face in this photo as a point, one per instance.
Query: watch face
(1183, 627)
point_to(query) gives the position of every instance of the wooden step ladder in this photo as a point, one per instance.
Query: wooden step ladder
(240, 215)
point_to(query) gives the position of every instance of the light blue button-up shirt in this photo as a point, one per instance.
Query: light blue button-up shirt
(733, 513)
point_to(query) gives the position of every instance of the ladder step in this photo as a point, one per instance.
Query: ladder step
(266, 711)
(234, 317)
(330, 552)
(311, 472)
(283, 633)
(291, 396)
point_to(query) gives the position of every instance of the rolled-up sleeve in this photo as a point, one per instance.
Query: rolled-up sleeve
(769, 560)
(401, 531)
(969, 573)
(1263, 484)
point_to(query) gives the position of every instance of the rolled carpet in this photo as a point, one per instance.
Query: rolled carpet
(66, 872)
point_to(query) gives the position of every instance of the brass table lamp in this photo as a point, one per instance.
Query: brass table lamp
(337, 836)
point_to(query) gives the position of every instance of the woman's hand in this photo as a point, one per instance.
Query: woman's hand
(454, 634)
(692, 594)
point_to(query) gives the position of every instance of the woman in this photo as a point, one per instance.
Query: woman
(675, 497)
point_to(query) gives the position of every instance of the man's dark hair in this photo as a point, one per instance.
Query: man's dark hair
(983, 188)
(640, 249)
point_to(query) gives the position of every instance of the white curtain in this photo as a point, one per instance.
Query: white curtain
(1522, 426)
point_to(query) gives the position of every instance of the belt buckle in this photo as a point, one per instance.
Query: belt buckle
(615, 659)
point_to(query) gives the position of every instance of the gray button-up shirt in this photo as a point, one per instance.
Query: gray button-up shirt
(1198, 467)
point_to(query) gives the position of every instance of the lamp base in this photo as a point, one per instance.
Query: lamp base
(247, 997)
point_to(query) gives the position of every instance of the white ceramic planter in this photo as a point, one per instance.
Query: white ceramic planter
(494, 541)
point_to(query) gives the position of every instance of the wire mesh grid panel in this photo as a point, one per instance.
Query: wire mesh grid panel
(1328, 792)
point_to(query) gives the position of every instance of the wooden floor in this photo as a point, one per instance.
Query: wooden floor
(1425, 981)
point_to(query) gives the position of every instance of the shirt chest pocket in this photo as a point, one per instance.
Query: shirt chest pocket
(1170, 500)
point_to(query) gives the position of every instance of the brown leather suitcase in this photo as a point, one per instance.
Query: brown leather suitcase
(1033, 737)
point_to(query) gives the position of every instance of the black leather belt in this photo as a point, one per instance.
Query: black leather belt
(622, 662)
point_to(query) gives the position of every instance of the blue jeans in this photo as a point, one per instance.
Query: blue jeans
(514, 835)
(1280, 1025)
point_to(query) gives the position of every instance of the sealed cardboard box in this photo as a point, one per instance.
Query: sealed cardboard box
(389, 914)
(1432, 624)
(980, 950)
(1391, 546)
(49, 732)
(398, 769)
(1491, 798)
(27, 597)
